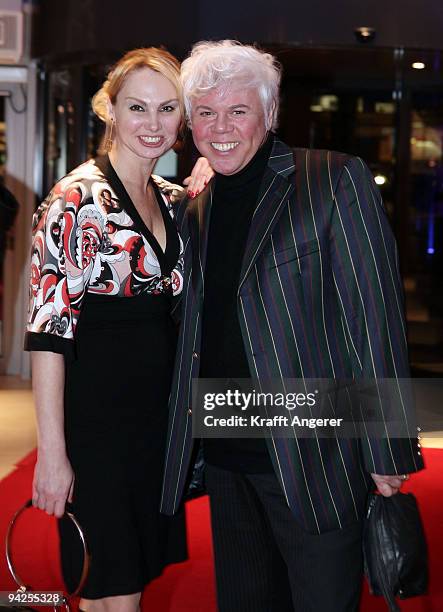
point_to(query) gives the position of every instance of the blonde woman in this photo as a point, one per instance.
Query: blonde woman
(106, 265)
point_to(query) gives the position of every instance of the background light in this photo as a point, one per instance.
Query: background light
(419, 65)
(364, 34)
(380, 179)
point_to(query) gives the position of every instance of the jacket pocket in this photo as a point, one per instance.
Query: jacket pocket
(292, 254)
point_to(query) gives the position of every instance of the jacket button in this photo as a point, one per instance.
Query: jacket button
(189, 410)
(195, 355)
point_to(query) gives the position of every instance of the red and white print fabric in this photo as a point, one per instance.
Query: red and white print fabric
(84, 240)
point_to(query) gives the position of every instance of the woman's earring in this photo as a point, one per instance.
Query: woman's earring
(108, 143)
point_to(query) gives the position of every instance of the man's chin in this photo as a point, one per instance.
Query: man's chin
(226, 168)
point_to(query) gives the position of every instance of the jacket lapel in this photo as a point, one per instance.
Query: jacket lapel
(199, 211)
(274, 192)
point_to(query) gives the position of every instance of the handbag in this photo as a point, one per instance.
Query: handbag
(196, 485)
(394, 548)
(24, 592)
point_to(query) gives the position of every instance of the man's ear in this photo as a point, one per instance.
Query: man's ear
(270, 117)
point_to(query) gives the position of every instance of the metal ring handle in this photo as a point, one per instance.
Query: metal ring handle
(86, 557)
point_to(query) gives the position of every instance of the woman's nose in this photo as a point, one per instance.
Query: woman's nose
(152, 122)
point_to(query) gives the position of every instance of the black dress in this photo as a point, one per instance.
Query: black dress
(118, 376)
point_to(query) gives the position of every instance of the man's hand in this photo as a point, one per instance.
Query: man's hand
(388, 485)
(201, 174)
(53, 483)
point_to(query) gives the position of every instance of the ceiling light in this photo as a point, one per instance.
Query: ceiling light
(364, 34)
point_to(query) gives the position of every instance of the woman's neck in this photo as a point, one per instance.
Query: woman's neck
(134, 172)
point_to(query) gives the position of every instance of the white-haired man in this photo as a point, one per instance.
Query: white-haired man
(291, 273)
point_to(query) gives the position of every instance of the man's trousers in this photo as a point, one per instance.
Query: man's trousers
(265, 562)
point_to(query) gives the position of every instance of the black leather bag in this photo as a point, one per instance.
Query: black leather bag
(394, 548)
(196, 486)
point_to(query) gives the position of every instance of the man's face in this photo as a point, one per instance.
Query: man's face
(228, 127)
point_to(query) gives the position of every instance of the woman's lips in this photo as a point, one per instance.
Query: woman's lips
(151, 141)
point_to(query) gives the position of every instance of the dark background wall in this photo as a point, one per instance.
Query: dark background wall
(79, 25)
(69, 26)
(409, 23)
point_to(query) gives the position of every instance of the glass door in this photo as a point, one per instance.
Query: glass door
(385, 105)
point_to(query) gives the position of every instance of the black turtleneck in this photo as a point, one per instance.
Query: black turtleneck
(222, 349)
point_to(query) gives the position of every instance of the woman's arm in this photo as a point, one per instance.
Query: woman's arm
(60, 272)
(53, 475)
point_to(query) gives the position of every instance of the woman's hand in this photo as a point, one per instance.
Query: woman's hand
(53, 482)
(201, 174)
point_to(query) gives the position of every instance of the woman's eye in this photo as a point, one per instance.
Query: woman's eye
(167, 109)
(136, 107)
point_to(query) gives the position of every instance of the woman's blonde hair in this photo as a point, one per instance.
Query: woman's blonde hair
(159, 60)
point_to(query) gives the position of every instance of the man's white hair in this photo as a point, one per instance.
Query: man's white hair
(225, 63)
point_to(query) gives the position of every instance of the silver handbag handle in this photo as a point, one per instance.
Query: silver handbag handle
(86, 557)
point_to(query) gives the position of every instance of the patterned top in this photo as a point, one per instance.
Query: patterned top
(89, 237)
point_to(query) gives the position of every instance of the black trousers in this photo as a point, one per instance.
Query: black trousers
(265, 562)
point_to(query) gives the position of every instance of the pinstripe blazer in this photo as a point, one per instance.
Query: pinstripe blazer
(319, 297)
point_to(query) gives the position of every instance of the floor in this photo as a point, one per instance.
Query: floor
(18, 427)
(17, 422)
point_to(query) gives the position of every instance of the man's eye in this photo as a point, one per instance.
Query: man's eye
(167, 109)
(136, 108)
(238, 112)
(205, 113)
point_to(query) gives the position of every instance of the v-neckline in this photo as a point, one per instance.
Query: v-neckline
(106, 167)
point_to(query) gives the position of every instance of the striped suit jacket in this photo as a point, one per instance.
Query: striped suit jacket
(319, 296)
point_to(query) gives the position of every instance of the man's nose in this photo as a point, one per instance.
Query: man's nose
(222, 124)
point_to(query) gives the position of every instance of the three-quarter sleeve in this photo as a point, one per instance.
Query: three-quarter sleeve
(67, 231)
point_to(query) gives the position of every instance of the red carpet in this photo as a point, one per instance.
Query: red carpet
(189, 587)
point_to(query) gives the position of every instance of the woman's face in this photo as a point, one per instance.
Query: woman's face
(146, 114)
